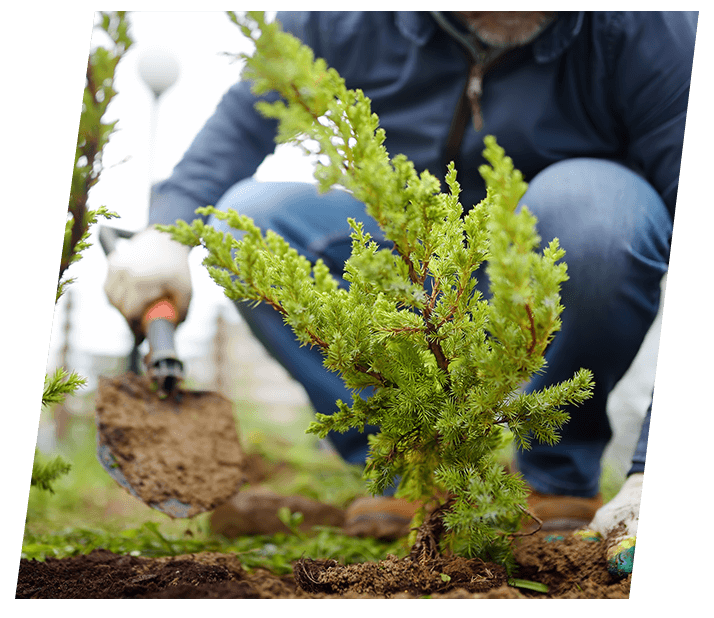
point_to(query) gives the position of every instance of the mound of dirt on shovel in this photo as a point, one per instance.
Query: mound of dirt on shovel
(182, 449)
(570, 567)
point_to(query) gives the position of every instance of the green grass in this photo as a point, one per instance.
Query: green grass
(274, 552)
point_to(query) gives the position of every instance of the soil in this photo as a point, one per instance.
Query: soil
(571, 568)
(180, 454)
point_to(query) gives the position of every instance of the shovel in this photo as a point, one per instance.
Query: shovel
(176, 450)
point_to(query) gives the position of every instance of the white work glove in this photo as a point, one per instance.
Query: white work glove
(616, 522)
(148, 267)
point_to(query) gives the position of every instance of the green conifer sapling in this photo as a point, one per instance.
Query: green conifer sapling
(92, 137)
(436, 365)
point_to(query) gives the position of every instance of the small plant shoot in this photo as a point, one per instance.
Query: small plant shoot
(438, 366)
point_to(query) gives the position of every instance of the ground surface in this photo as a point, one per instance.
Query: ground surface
(570, 567)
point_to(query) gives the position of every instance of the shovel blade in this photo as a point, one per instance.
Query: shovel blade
(172, 507)
(180, 455)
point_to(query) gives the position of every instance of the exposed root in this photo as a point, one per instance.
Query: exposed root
(534, 517)
(430, 533)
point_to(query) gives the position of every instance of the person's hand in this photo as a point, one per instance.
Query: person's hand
(616, 523)
(150, 266)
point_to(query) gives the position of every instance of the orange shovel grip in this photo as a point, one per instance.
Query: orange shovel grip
(162, 309)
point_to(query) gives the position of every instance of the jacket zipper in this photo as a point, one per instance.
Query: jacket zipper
(481, 61)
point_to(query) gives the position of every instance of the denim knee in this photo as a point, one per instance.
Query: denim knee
(616, 232)
(614, 227)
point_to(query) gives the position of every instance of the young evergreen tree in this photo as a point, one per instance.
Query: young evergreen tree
(445, 365)
(92, 137)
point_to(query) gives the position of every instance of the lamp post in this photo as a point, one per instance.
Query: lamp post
(159, 70)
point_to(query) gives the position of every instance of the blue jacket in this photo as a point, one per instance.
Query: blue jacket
(600, 84)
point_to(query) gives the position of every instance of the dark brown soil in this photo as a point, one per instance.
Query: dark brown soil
(571, 567)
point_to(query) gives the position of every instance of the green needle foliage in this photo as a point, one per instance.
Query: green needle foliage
(92, 137)
(437, 366)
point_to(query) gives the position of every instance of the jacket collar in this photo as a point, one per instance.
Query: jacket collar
(418, 27)
(559, 36)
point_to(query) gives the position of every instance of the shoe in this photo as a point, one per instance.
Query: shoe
(557, 512)
(560, 512)
(390, 518)
(254, 510)
(381, 517)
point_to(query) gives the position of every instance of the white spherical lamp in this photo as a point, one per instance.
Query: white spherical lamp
(159, 70)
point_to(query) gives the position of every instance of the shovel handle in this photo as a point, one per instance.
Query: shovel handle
(163, 365)
(162, 309)
(158, 324)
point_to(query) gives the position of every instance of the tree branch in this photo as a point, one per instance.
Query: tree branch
(531, 347)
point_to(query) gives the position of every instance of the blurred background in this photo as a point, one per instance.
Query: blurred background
(190, 59)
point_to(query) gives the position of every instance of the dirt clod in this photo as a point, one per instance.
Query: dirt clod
(394, 576)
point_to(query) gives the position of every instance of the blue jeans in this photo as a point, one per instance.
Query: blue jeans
(616, 232)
